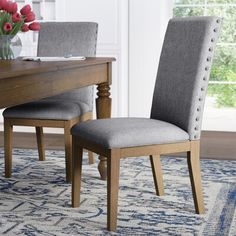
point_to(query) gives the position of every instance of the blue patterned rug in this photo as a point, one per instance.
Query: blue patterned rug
(37, 201)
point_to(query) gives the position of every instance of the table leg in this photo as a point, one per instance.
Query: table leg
(103, 107)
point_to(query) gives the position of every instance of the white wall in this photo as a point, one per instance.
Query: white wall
(132, 32)
(148, 20)
(112, 18)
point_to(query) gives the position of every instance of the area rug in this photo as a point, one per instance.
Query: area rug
(37, 200)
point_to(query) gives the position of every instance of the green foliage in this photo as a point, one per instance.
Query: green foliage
(225, 93)
(224, 70)
(188, 11)
(6, 17)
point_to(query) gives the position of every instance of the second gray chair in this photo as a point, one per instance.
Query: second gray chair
(176, 115)
(56, 39)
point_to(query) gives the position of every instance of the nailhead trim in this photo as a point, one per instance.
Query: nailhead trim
(208, 58)
(204, 78)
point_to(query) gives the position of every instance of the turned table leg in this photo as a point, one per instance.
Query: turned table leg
(103, 107)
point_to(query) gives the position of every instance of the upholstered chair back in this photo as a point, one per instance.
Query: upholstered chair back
(183, 72)
(65, 39)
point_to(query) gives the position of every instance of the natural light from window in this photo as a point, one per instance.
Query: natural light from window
(220, 106)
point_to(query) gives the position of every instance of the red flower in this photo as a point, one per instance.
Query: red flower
(8, 6)
(3, 4)
(14, 7)
(25, 10)
(30, 17)
(16, 17)
(25, 28)
(11, 7)
(7, 27)
(35, 26)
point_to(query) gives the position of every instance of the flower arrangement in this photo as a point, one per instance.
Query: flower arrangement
(12, 22)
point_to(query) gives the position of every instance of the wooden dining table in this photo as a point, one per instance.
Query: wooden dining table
(26, 81)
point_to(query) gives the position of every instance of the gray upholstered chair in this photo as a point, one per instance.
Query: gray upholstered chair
(65, 110)
(176, 115)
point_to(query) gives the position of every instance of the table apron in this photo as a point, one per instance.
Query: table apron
(22, 89)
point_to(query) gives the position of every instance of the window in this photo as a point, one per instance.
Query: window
(220, 108)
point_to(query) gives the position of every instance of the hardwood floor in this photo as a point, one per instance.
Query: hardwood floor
(28, 140)
(215, 145)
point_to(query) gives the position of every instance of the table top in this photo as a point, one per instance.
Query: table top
(18, 67)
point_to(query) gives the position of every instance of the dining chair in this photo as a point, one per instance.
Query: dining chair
(62, 111)
(176, 115)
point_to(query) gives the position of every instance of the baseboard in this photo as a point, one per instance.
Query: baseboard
(214, 144)
(28, 140)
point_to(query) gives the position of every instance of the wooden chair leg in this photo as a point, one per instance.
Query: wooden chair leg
(68, 151)
(8, 130)
(40, 143)
(195, 176)
(77, 157)
(91, 158)
(113, 172)
(157, 174)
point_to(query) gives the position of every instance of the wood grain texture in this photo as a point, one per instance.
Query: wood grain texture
(214, 144)
(40, 143)
(18, 67)
(113, 164)
(8, 148)
(157, 174)
(68, 150)
(26, 81)
(195, 176)
(22, 81)
(91, 158)
(103, 108)
(65, 124)
(113, 173)
(77, 158)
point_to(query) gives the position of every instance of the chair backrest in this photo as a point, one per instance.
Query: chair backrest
(183, 72)
(69, 38)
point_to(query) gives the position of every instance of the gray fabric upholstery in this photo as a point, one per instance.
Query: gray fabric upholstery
(179, 93)
(50, 110)
(60, 39)
(69, 38)
(183, 73)
(129, 132)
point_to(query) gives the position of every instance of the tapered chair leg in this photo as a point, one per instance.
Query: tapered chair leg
(68, 151)
(113, 172)
(8, 128)
(40, 143)
(157, 174)
(195, 176)
(91, 157)
(77, 158)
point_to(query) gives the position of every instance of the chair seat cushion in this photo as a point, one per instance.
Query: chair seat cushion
(128, 132)
(47, 109)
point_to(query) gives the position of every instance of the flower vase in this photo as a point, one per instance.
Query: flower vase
(10, 47)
